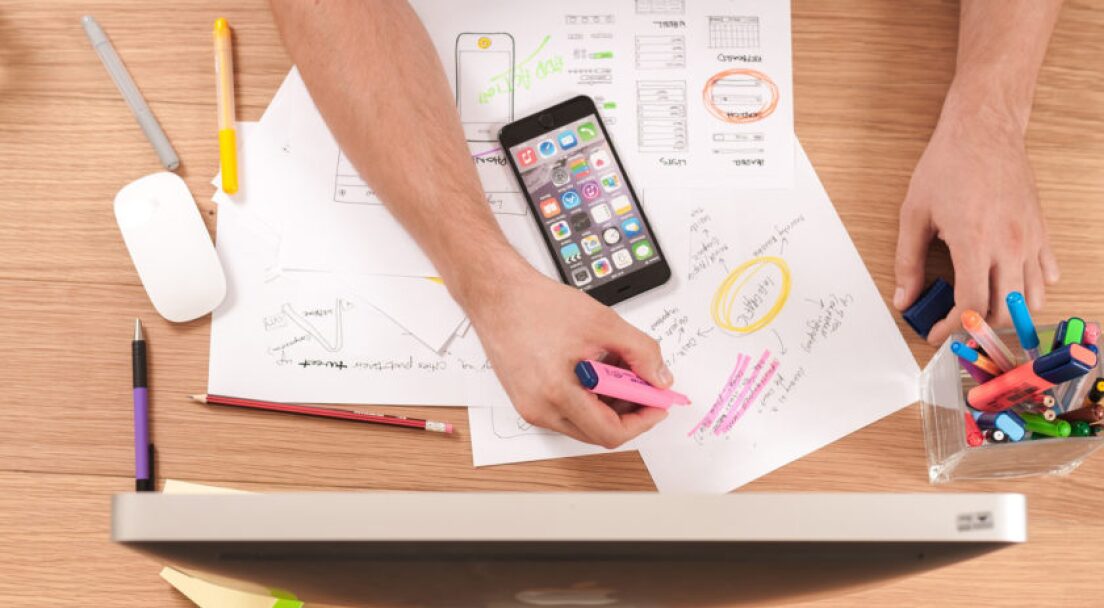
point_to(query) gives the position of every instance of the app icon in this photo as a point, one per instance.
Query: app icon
(560, 176)
(590, 190)
(611, 182)
(631, 227)
(549, 208)
(570, 253)
(581, 276)
(547, 148)
(579, 167)
(611, 236)
(570, 199)
(526, 157)
(621, 204)
(587, 131)
(621, 259)
(560, 230)
(567, 140)
(600, 159)
(600, 213)
(642, 250)
(579, 222)
(591, 244)
(601, 267)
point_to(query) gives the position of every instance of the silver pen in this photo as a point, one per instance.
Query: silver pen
(130, 93)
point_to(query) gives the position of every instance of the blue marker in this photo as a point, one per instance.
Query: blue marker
(1007, 421)
(1025, 328)
(980, 361)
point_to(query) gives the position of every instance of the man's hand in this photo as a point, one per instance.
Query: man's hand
(974, 189)
(534, 330)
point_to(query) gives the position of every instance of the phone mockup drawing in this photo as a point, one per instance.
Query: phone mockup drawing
(588, 212)
(484, 83)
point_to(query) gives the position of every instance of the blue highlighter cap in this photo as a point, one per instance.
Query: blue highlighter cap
(931, 307)
(1021, 318)
(585, 373)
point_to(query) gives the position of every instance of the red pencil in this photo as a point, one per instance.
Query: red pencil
(327, 412)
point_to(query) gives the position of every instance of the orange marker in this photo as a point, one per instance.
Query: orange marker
(987, 338)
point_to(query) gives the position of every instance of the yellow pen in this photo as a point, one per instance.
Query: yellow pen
(224, 75)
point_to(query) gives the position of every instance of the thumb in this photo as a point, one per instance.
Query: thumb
(913, 237)
(640, 352)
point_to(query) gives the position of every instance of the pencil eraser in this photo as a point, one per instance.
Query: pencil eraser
(448, 427)
(933, 305)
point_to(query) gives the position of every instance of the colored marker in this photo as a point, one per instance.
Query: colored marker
(977, 359)
(996, 436)
(1025, 328)
(1037, 424)
(1007, 422)
(1096, 392)
(602, 379)
(1031, 378)
(224, 77)
(979, 375)
(1075, 391)
(1080, 428)
(988, 339)
(1075, 331)
(974, 438)
(1092, 334)
(1059, 336)
(1090, 413)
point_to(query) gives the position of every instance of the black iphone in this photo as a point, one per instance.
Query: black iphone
(588, 212)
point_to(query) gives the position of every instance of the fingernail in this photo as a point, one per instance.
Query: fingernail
(665, 376)
(899, 298)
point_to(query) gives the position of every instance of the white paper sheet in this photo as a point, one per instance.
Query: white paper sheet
(308, 339)
(500, 436)
(694, 94)
(786, 344)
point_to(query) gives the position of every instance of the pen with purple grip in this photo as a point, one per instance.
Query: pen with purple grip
(143, 449)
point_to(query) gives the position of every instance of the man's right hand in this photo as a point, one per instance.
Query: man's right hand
(534, 330)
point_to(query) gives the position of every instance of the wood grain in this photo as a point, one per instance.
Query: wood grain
(869, 81)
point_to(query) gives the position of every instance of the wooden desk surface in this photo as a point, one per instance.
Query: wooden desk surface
(869, 77)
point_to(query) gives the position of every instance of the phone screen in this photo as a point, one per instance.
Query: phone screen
(584, 204)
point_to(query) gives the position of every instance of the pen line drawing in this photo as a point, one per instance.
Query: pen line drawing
(339, 332)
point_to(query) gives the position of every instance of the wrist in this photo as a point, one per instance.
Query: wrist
(485, 277)
(989, 100)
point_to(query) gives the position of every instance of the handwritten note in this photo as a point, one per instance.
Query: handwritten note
(794, 347)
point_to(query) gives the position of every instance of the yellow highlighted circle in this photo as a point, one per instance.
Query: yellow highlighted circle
(483, 42)
(728, 293)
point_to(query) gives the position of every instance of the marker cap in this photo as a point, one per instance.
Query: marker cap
(1021, 319)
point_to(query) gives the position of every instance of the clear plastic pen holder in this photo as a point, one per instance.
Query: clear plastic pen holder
(943, 388)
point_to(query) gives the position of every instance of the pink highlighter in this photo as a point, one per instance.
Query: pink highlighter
(602, 379)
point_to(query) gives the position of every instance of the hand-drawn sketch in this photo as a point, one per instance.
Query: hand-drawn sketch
(740, 95)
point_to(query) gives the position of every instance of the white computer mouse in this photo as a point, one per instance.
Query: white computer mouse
(170, 246)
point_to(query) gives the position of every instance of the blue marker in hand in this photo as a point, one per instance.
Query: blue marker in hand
(1025, 328)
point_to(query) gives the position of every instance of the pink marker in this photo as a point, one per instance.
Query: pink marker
(602, 379)
(1092, 334)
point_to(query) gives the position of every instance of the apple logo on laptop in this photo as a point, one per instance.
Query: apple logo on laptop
(580, 594)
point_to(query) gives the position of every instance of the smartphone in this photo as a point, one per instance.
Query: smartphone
(484, 83)
(588, 212)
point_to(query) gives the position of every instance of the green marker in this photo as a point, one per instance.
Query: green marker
(1075, 331)
(1080, 428)
(1039, 425)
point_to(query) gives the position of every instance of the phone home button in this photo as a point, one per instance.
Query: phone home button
(546, 121)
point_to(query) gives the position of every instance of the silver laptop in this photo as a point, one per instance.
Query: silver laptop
(570, 549)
